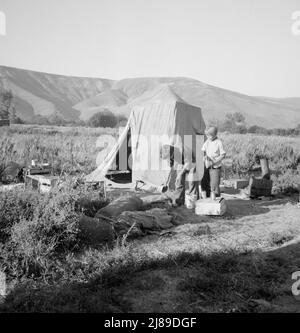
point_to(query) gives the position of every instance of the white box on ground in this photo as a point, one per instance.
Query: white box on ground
(210, 207)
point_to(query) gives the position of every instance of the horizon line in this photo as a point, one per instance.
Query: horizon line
(145, 77)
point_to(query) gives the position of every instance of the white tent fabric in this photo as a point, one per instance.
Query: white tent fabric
(102, 170)
(158, 117)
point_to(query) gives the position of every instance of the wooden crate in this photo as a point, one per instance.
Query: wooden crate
(4, 122)
(240, 183)
(211, 207)
(260, 187)
(236, 183)
(38, 171)
(41, 183)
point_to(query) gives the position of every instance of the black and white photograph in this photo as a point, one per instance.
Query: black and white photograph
(149, 159)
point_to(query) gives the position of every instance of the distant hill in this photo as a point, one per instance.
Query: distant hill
(75, 98)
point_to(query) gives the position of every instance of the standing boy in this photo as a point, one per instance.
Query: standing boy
(214, 153)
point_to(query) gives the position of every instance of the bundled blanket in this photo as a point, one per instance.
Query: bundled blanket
(124, 216)
(140, 223)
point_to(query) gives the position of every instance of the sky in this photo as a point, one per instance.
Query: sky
(242, 45)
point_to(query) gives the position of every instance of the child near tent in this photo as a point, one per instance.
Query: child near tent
(214, 153)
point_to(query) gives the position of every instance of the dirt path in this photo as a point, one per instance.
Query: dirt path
(258, 282)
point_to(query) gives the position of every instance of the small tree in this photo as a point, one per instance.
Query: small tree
(239, 118)
(56, 119)
(122, 121)
(103, 119)
(6, 104)
(17, 120)
(258, 130)
(253, 129)
(39, 120)
(214, 122)
(234, 123)
(241, 129)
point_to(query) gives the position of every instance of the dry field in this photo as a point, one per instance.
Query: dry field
(73, 150)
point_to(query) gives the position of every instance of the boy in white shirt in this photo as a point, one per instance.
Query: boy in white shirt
(214, 153)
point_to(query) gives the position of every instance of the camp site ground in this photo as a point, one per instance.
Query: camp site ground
(242, 261)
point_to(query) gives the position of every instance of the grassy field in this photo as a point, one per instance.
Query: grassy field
(283, 154)
(69, 149)
(73, 150)
(241, 262)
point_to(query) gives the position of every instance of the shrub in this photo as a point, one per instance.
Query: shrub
(14, 206)
(122, 121)
(17, 120)
(53, 227)
(103, 119)
(36, 227)
(38, 230)
(234, 123)
(6, 103)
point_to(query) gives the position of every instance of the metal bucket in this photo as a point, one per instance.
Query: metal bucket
(190, 200)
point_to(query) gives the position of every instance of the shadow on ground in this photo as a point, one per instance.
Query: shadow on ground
(240, 207)
(220, 282)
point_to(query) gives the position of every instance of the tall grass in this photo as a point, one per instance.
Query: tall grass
(37, 229)
(73, 150)
(283, 154)
(70, 150)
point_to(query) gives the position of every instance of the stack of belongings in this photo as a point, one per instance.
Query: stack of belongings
(39, 168)
(140, 223)
(12, 172)
(124, 216)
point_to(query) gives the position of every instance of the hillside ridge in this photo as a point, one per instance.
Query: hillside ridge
(74, 98)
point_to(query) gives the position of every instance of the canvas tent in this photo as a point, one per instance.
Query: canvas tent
(157, 117)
